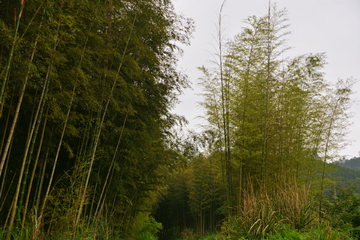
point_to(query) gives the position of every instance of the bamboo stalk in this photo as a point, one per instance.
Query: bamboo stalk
(101, 123)
(41, 180)
(4, 177)
(4, 183)
(225, 123)
(242, 159)
(42, 100)
(26, 162)
(111, 166)
(62, 136)
(11, 54)
(12, 129)
(33, 173)
(267, 101)
(6, 125)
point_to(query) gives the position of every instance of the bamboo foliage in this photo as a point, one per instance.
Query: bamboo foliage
(17, 110)
(90, 76)
(62, 135)
(110, 170)
(31, 142)
(11, 55)
(102, 121)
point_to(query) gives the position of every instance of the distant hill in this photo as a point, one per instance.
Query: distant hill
(344, 174)
(347, 171)
(353, 163)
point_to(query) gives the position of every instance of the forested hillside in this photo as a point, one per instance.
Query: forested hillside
(347, 171)
(90, 149)
(353, 163)
(346, 174)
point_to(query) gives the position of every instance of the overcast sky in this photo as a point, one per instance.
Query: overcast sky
(331, 26)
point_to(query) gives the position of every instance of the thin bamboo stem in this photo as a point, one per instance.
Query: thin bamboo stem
(62, 134)
(12, 129)
(6, 125)
(111, 166)
(33, 172)
(267, 102)
(42, 99)
(3, 183)
(11, 54)
(225, 123)
(101, 124)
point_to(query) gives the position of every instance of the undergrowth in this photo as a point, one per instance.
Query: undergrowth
(262, 214)
(288, 213)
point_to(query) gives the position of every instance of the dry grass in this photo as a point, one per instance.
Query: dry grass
(265, 212)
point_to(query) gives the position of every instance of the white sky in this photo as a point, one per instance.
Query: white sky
(331, 26)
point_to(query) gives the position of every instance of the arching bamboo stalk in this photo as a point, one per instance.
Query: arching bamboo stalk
(62, 136)
(42, 100)
(33, 173)
(101, 123)
(111, 166)
(11, 54)
(12, 129)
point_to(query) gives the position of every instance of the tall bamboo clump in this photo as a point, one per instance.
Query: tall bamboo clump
(277, 113)
(93, 83)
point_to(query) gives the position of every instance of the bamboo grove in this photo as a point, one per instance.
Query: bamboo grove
(273, 122)
(89, 146)
(86, 93)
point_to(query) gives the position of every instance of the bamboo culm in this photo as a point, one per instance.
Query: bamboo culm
(12, 129)
(267, 102)
(100, 126)
(11, 54)
(42, 100)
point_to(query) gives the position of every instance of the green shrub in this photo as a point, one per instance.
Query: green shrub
(321, 231)
(287, 233)
(344, 203)
(146, 236)
(214, 236)
(324, 231)
(145, 227)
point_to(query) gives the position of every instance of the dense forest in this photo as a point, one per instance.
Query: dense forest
(347, 171)
(90, 149)
(353, 163)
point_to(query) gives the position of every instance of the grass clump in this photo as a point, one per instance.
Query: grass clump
(263, 214)
(321, 231)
